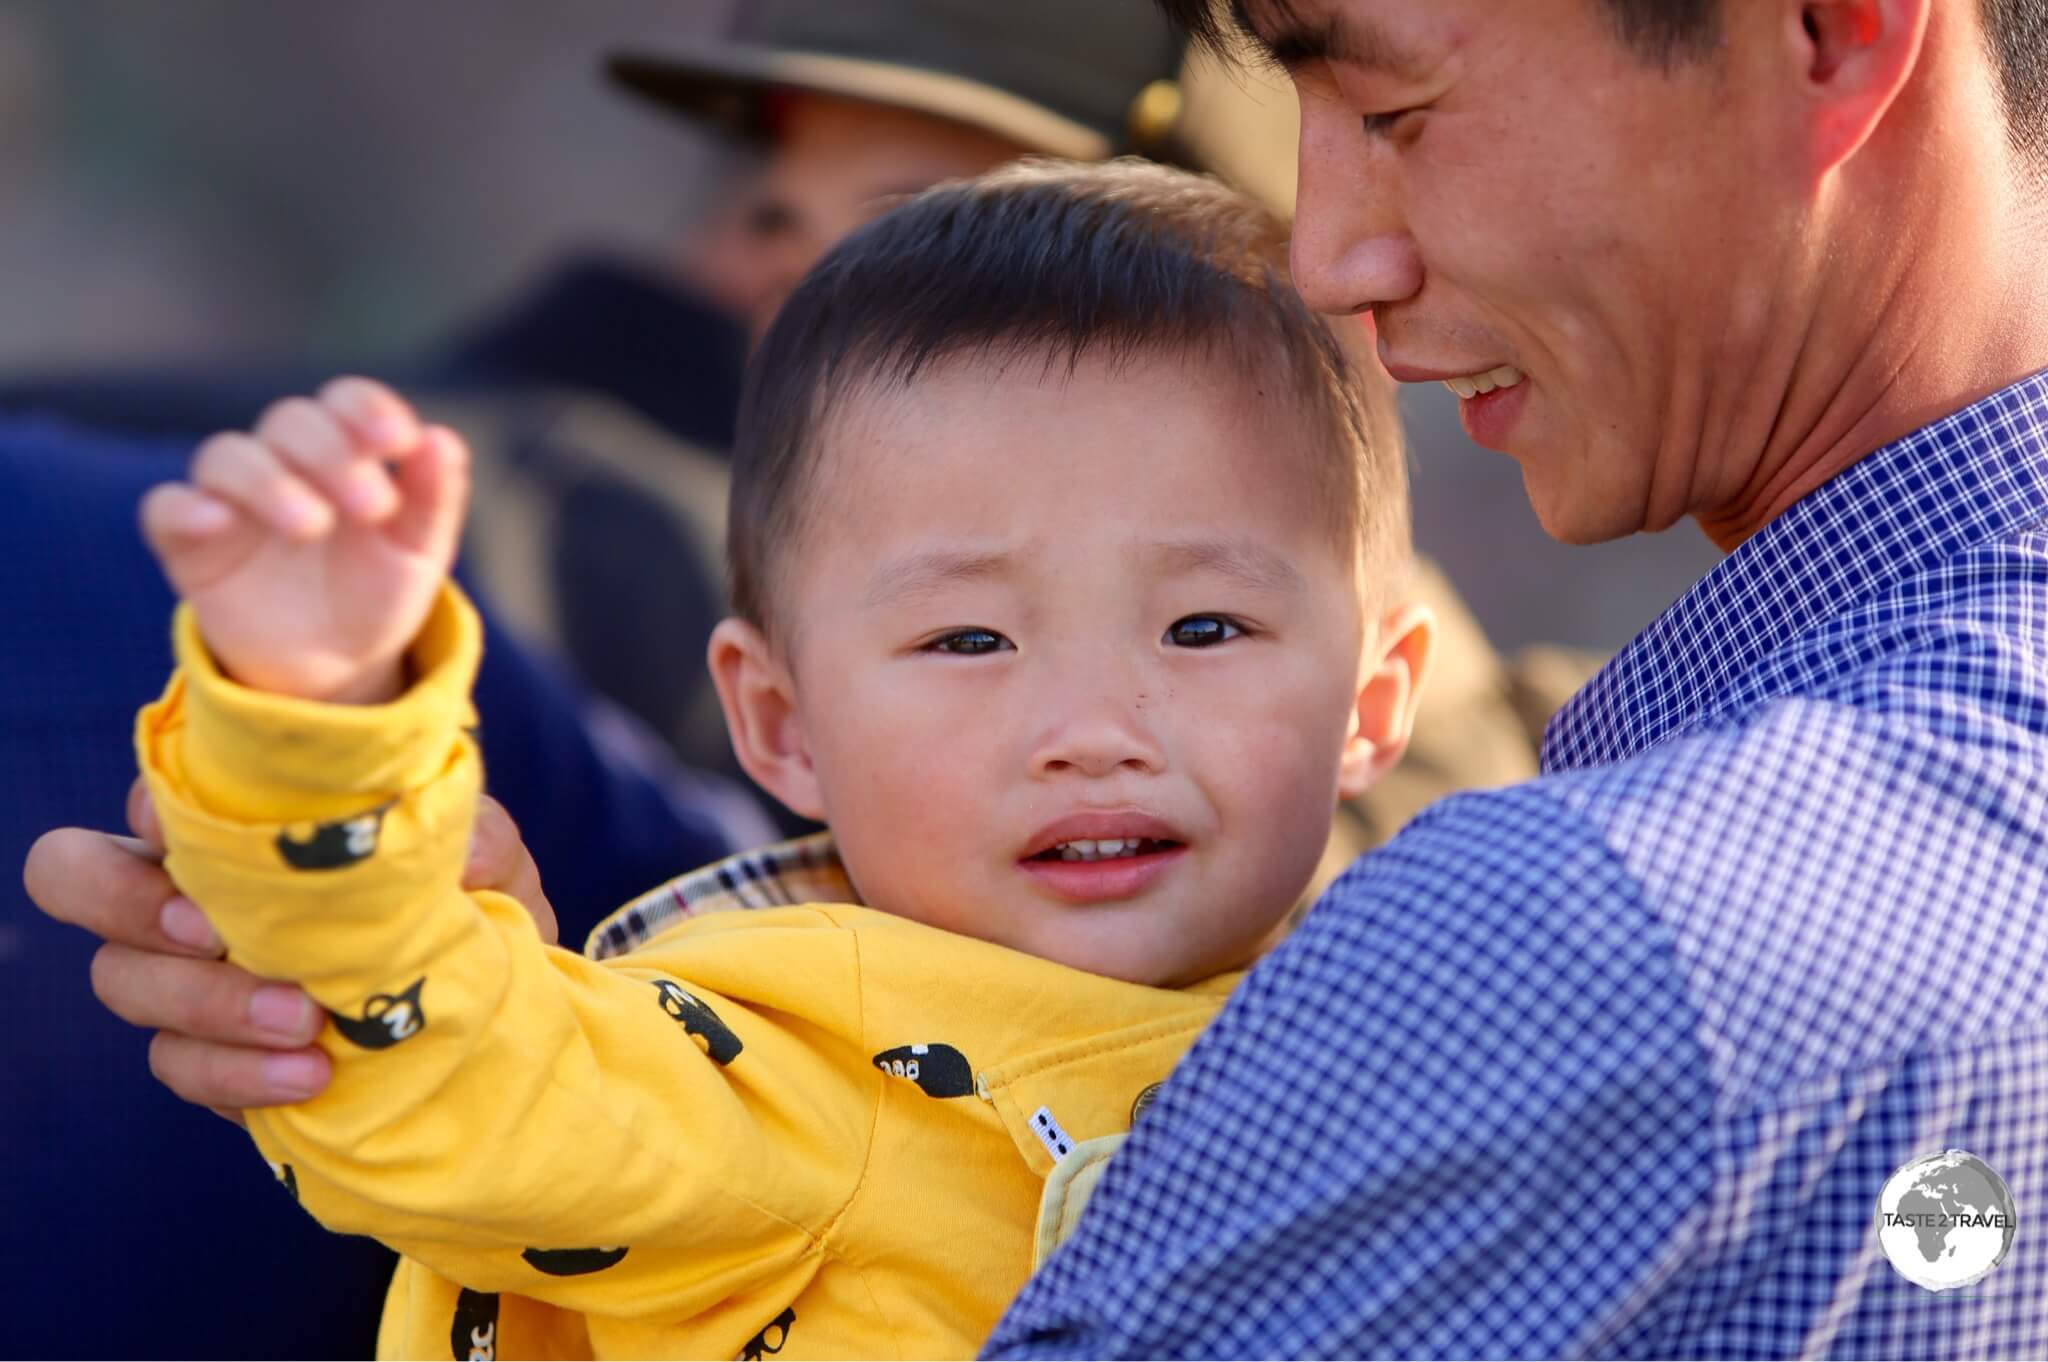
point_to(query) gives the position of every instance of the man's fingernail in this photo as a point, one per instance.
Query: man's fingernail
(280, 1009)
(181, 921)
(294, 1075)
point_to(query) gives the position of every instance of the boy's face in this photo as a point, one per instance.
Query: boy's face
(1039, 608)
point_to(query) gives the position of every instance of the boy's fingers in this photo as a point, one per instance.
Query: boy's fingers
(196, 537)
(241, 469)
(228, 1078)
(377, 416)
(112, 887)
(314, 442)
(433, 484)
(176, 512)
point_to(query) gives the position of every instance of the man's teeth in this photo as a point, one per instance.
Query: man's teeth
(1104, 849)
(1506, 376)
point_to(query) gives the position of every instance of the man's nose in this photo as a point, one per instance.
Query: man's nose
(1352, 249)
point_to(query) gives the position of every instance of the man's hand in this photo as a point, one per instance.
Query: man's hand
(224, 1038)
(311, 549)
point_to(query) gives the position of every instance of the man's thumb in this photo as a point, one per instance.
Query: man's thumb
(498, 859)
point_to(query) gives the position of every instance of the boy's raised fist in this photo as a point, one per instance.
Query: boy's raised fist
(311, 548)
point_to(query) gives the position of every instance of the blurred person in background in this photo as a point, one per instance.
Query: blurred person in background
(105, 1181)
(100, 1166)
(600, 406)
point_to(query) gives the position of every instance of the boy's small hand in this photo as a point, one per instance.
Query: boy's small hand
(312, 548)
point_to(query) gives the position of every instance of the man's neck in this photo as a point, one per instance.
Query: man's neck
(1932, 300)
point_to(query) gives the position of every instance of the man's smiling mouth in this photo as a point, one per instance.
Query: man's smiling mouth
(1476, 385)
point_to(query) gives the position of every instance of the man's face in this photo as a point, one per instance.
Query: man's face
(1515, 193)
(835, 164)
(1109, 597)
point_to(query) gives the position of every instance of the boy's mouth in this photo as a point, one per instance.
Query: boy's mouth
(1105, 849)
(1102, 835)
(1111, 869)
(1094, 855)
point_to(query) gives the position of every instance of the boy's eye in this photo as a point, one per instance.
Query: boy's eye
(968, 643)
(1202, 631)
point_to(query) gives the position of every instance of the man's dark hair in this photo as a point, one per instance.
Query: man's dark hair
(1669, 32)
(2017, 32)
(1053, 262)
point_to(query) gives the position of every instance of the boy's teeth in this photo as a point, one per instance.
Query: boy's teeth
(1102, 849)
(1472, 385)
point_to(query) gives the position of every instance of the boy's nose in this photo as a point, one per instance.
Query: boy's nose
(1100, 739)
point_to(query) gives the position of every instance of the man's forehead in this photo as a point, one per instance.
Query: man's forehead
(1294, 33)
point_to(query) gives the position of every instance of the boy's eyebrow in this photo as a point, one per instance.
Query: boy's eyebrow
(1250, 565)
(1290, 42)
(915, 574)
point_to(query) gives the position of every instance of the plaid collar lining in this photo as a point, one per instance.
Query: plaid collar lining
(803, 870)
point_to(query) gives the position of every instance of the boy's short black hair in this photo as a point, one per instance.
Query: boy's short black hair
(1069, 261)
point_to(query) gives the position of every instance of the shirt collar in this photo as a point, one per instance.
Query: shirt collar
(1969, 478)
(803, 870)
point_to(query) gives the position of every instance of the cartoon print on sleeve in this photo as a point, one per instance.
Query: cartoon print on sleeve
(574, 1262)
(776, 1329)
(699, 1021)
(473, 1333)
(333, 846)
(286, 1178)
(940, 1070)
(387, 1018)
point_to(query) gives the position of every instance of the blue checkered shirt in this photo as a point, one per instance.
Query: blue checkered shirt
(1615, 1063)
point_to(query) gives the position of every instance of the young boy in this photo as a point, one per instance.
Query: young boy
(1067, 580)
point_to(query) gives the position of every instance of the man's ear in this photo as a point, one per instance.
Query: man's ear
(1389, 689)
(758, 695)
(1857, 56)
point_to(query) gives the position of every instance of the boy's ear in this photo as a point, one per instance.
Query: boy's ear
(1388, 692)
(758, 696)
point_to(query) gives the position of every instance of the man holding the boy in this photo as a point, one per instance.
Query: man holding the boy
(1618, 1061)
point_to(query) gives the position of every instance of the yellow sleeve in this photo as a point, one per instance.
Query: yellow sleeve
(511, 1114)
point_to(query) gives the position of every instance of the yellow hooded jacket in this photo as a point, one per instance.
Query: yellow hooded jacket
(807, 1130)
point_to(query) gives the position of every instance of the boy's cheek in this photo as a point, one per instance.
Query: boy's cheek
(1278, 777)
(912, 791)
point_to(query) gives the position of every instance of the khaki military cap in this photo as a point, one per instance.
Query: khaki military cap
(1078, 78)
